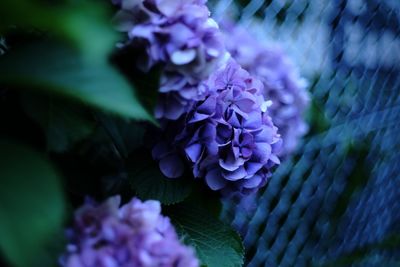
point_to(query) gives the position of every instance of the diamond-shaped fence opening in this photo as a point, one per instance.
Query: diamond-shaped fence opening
(336, 201)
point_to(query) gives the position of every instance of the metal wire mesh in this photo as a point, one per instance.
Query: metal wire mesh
(336, 202)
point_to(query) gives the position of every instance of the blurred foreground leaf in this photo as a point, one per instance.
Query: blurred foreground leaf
(59, 71)
(147, 84)
(31, 204)
(64, 124)
(84, 24)
(216, 244)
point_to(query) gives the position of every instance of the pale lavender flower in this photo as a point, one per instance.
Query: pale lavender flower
(134, 235)
(283, 84)
(228, 137)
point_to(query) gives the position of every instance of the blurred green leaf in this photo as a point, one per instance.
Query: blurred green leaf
(84, 24)
(147, 87)
(147, 84)
(59, 71)
(216, 244)
(64, 124)
(317, 119)
(148, 182)
(31, 204)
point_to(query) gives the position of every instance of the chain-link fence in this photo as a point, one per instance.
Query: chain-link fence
(336, 202)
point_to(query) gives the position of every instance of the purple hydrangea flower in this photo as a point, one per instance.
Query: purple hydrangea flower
(228, 137)
(282, 82)
(134, 235)
(180, 35)
(177, 93)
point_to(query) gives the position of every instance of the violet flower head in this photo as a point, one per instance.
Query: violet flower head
(179, 35)
(228, 137)
(177, 93)
(134, 235)
(283, 84)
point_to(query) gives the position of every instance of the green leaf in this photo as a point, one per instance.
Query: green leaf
(31, 204)
(147, 87)
(85, 25)
(64, 124)
(61, 72)
(147, 84)
(205, 199)
(317, 119)
(126, 135)
(148, 182)
(216, 244)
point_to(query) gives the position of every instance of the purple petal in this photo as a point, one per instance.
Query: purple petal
(173, 110)
(246, 152)
(171, 166)
(189, 92)
(247, 139)
(215, 180)
(182, 57)
(238, 174)
(234, 120)
(180, 34)
(208, 106)
(254, 121)
(193, 152)
(230, 162)
(160, 150)
(246, 103)
(239, 111)
(274, 159)
(231, 165)
(253, 167)
(74, 261)
(198, 117)
(169, 7)
(224, 133)
(143, 31)
(253, 182)
(266, 135)
(262, 151)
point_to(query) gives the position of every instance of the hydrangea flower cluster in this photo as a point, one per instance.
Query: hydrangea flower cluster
(180, 35)
(282, 82)
(134, 235)
(228, 137)
(214, 114)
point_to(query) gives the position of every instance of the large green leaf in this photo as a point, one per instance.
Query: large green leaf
(59, 71)
(64, 124)
(31, 204)
(126, 135)
(216, 244)
(148, 182)
(84, 24)
(148, 83)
